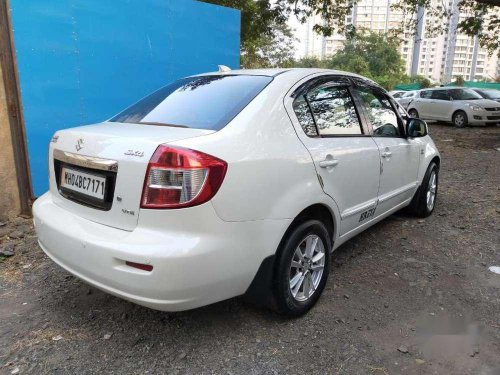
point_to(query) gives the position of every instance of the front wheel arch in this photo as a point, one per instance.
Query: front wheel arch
(417, 206)
(465, 117)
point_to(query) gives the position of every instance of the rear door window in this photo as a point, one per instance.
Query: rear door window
(440, 95)
(327, 110)
(426, 94)
(202, 102)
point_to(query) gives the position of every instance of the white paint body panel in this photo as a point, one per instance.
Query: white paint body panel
(112, 141)
(212, 252)
(443, 110)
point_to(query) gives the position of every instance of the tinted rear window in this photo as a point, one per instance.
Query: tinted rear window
(204, 102)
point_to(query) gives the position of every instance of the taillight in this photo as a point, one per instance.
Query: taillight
(179, 177)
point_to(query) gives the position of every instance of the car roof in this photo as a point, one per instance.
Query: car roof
(274, 72)
(445, 88)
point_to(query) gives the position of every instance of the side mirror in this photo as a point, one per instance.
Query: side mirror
(416, 127)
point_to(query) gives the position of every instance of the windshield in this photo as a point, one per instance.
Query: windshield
(490, 94)
(464, 94)
(409, 94)
(203, 102)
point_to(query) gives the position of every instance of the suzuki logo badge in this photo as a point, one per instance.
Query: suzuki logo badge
(79, 144)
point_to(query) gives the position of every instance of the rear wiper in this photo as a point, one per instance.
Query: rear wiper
(163, 124)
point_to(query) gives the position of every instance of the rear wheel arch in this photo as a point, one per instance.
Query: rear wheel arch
(318, 212)
(260, 290)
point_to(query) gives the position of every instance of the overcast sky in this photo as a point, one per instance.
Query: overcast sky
(299, 32)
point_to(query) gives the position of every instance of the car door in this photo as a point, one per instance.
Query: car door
(345, 156)
(399, 156)
(422, 103)
(441, 105)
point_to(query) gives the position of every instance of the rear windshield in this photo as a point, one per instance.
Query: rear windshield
(203, 102)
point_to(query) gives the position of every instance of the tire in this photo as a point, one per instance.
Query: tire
(460, 119)
(420, 205)
(291, 298)
(413, 113)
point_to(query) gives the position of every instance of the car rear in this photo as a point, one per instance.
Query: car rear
(129, 208)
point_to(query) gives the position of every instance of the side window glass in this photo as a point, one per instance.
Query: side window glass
(380, 112)
(334, 111)
(440, 95)
(304, 116)
(425, 94)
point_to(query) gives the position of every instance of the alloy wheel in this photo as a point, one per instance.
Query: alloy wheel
(431, 191)
(306, 268)
(459, 119)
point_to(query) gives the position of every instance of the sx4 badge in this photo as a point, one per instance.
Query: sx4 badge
(365, 215)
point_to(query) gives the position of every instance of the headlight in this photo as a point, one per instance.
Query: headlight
(474, 107)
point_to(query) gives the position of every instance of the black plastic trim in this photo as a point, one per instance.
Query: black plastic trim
(84, 199)
(260, 291)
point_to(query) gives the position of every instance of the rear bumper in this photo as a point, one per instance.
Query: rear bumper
(197, 258)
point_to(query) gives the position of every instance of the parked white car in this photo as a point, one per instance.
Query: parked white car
(232, 183)
(396, 94)
(459, 106)
(407, 98)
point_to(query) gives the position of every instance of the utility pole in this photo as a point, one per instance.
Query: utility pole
(451, 43)
(472, 74)
(417, 41)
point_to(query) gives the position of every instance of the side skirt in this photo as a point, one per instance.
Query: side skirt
(375, 220)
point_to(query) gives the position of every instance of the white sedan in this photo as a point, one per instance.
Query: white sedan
(232, 183)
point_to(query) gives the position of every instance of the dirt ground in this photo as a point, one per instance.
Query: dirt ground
(408, 296)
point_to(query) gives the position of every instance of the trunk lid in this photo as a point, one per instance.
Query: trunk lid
(119, 153)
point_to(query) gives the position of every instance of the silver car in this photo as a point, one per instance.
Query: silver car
(407, 98)
(460, 106)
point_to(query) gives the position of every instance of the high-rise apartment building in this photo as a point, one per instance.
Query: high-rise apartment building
(442, 58)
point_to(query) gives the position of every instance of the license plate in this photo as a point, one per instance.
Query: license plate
(84, 183)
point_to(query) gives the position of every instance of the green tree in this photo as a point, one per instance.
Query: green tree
(258, 23)
(271, 51)
(459, 81)
(259, 16)
(423, 81)
(372, 55)
(479, 18)
(309, 62)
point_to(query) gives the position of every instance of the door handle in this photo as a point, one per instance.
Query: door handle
(328, 163)
(386, 154)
